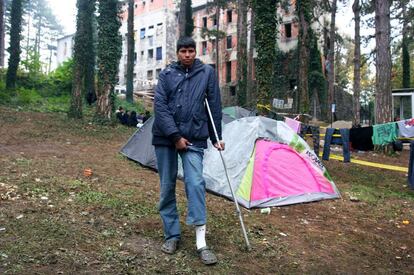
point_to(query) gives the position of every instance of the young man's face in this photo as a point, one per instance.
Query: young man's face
(186, 56)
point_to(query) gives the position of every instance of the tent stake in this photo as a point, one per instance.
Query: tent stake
(228, 179)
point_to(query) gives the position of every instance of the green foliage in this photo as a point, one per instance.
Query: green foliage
(265, 29)
(27, 97)
(32, 64)
(60, 80)
(128, 106)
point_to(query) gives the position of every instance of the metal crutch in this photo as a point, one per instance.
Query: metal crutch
(228, 179)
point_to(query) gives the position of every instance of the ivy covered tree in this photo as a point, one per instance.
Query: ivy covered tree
(265, 30)
(130, 53)
(109, 54)
(81, 51)
(15, 38)
(90, 61)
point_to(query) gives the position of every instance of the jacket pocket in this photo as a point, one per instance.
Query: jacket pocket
(200, 127)
(195, 128)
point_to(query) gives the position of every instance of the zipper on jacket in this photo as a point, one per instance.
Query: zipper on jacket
(186, 72)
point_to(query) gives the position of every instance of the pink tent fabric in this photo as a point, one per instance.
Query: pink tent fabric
(279, 171)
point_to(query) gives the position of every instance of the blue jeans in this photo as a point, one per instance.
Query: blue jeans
(195, 188)
(345, 144)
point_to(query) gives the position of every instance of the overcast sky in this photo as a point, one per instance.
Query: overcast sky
(65, 12)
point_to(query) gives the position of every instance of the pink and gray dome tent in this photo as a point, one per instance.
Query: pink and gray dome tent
(268, 165)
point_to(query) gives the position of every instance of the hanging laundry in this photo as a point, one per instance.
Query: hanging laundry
(406, 128)
(384, 134)
(361, 138)
(293, 124)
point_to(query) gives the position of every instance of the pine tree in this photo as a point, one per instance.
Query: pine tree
(383, 111)
(356, 7)
(15, 38)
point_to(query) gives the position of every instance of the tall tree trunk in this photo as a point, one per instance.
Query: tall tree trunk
(90, 61)
(109, 54)
(38, 36)
(251, 90)
(302, 97)
(405, 53)
(357, 63)
(383, 111)
(182, 18)
(331, 58)
(29, 19)
(2, 33)
(75, 109)
(242, 52)
(16, 17)
(130, 53)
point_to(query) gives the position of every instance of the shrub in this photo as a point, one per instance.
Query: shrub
(27, 97)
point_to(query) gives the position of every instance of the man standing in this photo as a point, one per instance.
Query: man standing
(182, 126)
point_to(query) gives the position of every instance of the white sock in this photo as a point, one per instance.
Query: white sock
(201, 236)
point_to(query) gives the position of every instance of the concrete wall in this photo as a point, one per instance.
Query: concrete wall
(64, 48)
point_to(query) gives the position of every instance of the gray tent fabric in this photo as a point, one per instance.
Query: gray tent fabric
(139, 146)
(237, 112)
(240, 137)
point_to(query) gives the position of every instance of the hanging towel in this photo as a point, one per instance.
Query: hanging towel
(293, 124)
(384, 134)
(406, 128)
(361, 138)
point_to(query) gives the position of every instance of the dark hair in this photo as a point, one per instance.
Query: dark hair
(185, 42)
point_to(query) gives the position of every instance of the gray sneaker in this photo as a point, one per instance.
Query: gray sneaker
(170, 246)
(207, 255)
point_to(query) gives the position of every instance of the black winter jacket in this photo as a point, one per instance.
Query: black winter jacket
(179, 105)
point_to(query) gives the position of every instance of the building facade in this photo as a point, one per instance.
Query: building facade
(64, 49)
(155, 30)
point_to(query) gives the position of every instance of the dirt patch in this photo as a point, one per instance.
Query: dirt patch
(54, 220)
